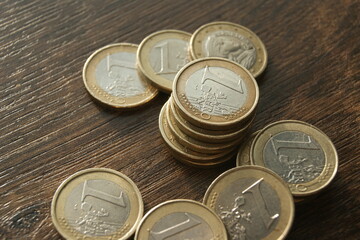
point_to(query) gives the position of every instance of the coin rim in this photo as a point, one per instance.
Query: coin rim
(330, 154)
(211, 124)
(149, 96)
(159, 82)
(94, 170)
(221, 226)
(246, 143)
(280, 181)
(259, 45)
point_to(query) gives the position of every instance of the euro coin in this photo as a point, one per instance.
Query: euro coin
(231, 41)
(299, 153)
(215, 93)
(110, 76)
(161, 55)
(97, 203)
(253, 202)
(243, 156)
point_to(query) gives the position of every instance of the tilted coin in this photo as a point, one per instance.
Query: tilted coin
(97, 203)
(215, 93)
(253, 203)
(110, 76)
(243, 156)
(231, 41)
(190, 142)
(299, 153)
(181, 219)
(186, 155)
(206, 135)
(161, 55)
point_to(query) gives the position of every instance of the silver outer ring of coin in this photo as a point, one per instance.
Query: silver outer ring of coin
(85, 171)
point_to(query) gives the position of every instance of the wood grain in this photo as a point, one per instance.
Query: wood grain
(50, 127)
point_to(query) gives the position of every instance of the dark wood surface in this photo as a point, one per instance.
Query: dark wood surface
(50, 127)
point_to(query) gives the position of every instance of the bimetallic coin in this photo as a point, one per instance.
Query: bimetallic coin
(181, 219)
(299, 153)
(215, 93)
(97, 203)
(161, 55)
(233, 135)
(231, 41)
(186, 155)
(253, 203)
(243, 156)
(110, 76)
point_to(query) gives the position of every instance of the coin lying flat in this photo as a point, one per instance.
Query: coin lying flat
(181, 219)
(205, 134)
(243, 156)
(231, 41)
(161, 55)
(253, 203)
(215, 93)
(299, 153)
(97, 203)
(110, 76)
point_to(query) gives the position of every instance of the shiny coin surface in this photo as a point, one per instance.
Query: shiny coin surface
(161, 55)
(187, 155)
(110, 76)
(181, 219)
(243, 156)
(97, 203)
(253, 203)
(215, 93)
(299, 153)
(232, 135)
(231, 41)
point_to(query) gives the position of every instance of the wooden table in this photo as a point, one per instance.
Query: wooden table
(50, 127)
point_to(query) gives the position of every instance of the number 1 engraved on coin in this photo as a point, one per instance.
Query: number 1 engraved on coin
(295, 156)
(88, 191)
(254, 189)
(214, 94)
(176, 229)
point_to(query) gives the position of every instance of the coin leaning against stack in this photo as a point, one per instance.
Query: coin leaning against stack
(212, 104)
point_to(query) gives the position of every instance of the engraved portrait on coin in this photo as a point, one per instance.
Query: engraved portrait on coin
(232, 46)
(216, 91)
(295, 156)
(97, 207)
(116, 74)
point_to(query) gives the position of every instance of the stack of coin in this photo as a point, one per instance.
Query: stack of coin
(212, 105)
(301, 154)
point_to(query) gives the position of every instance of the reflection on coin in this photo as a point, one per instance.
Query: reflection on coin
(187, 155)
(161, 55)
(215, 93)
(110, 76)
(181, 219)
(97, 203)
(253, 203)
(231, 41)
(299, 153)
(243, 156)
